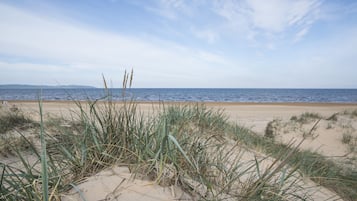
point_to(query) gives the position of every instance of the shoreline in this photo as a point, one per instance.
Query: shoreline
(197, 102)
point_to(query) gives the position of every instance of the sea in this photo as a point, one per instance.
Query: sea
(256, 95)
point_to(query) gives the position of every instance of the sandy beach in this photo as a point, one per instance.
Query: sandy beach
(254, 116)
(251, 115)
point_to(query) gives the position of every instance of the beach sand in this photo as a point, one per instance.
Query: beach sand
(252, 115)
(255, 116)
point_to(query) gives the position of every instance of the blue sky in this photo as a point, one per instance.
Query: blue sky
(180, 43)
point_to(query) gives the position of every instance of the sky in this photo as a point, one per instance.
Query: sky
(180, 43)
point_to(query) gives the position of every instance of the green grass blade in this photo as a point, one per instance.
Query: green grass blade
(44, 172)
(257, 166)
(173, 139)
(79, 192)
(2, 176)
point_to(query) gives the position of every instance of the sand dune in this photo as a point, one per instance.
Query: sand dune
(116, 183)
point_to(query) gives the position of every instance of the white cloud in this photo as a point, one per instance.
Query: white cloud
(81, 49)
(299, 35)
(249, 20)
(274, 16)
(210, 57)
(267, 16)
(207, 35)
(170, 9)
(33, 73)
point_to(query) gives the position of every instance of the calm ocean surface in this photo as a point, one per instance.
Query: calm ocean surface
(197, 95)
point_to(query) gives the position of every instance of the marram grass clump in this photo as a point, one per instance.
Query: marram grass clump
(10, 119)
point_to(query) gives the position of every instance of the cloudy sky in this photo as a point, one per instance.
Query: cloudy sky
(180, 43)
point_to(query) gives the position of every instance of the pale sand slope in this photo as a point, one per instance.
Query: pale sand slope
(116, 183)
(254, 116)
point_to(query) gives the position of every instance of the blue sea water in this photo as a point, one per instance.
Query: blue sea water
(189, 94)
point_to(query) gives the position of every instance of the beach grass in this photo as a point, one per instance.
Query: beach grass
(10, 119)
(12, 123)
(306, 117)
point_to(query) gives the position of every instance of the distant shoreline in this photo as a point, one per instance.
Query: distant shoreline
(195, 102)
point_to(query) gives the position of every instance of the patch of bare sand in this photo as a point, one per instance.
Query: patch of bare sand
(256, 116)
(117, 183)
